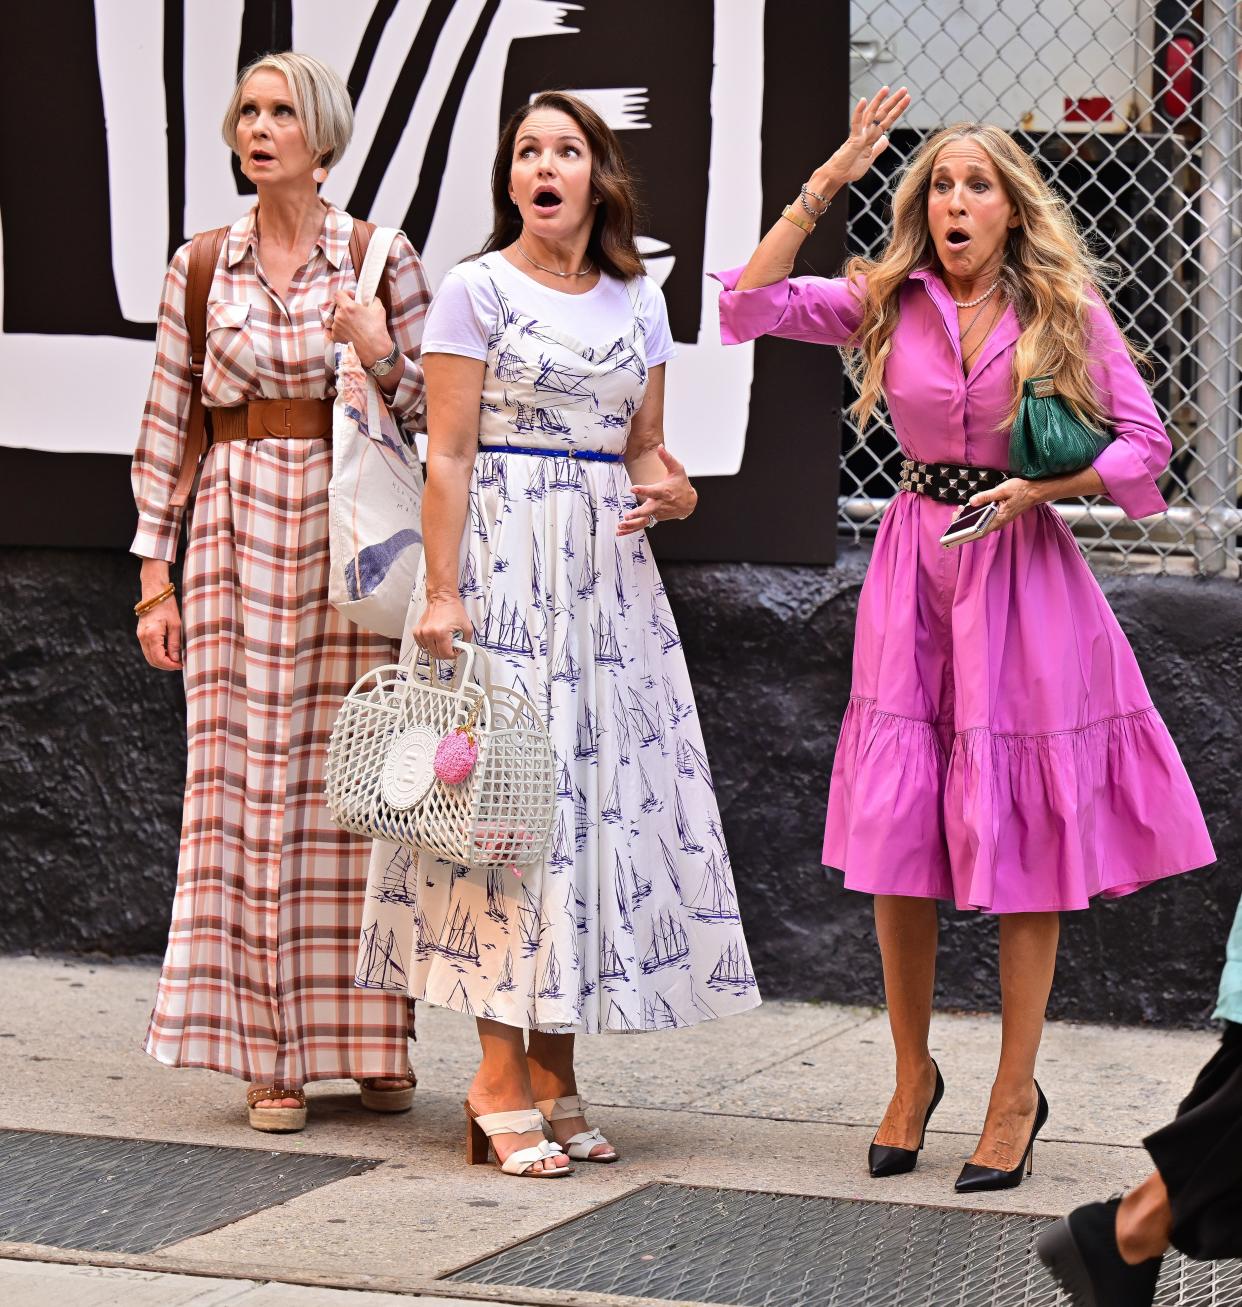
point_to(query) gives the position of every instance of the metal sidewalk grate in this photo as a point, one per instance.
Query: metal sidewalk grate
(786, 1250)
(132, 1196)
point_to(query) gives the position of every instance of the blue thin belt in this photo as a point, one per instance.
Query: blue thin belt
(590, 455)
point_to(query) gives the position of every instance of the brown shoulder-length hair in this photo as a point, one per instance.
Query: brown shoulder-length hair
(611, 246)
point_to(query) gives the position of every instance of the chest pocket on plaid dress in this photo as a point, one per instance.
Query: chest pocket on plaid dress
(230, 359)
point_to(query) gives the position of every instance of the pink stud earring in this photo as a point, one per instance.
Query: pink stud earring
(319, 176)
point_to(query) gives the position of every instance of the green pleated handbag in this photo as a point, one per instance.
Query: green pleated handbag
(1047, 439)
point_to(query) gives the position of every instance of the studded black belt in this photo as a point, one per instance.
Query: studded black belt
(954, 483)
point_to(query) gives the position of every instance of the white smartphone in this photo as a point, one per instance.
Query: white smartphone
(970, 524)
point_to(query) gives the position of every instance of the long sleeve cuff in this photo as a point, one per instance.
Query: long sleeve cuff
(1127, 480)
(157, 539)
(407, 402)
(747, 314)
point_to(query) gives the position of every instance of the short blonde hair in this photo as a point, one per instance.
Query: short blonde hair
(320, 99)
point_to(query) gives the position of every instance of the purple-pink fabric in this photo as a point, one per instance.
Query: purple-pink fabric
(1000, 748)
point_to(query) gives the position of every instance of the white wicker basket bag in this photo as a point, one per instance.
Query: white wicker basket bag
(380, 778)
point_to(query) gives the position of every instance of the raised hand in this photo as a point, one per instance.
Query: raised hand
(868, 139)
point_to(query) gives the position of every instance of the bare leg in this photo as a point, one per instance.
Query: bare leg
(550, 1059)
(907, 930)
(1028, 957)
(502, 1084)
(1144, 1221)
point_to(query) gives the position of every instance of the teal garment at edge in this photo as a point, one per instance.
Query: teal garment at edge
(1229, 1005)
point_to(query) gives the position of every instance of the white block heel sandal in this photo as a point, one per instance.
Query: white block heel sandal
(481, 1129)
(578, 1146)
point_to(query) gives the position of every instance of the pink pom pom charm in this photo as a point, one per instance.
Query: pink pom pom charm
(457, 753)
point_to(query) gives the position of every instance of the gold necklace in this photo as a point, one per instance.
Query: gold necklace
(970, 326)
(552, 272)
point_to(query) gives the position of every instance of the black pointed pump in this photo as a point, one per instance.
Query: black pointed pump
(885, 1160)
(979, 1179)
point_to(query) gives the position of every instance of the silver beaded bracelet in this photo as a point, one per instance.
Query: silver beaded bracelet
(823, 199)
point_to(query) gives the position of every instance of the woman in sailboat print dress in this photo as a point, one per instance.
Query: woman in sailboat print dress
(544, 394)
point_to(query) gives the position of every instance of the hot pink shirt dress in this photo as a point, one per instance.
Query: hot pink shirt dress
(1000, 748)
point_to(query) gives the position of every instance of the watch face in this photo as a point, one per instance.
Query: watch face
(382, 367)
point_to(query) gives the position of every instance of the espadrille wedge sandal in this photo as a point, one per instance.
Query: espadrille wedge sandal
(276, 1120)
(380, 1097)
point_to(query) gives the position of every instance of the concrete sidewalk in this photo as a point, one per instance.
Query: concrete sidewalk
(783, 1099)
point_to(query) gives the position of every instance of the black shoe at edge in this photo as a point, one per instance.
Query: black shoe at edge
(884, 1160)
(1080, 1252)
(979, 1179)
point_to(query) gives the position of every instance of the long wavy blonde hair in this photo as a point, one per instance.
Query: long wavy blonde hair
(1049, 276)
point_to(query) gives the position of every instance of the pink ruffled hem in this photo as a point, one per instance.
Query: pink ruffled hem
(1010, 823)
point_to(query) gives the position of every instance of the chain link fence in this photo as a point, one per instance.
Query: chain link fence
(1132, 109)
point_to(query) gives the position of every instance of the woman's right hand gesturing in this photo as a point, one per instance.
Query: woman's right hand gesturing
(868, 138)
(442, 619)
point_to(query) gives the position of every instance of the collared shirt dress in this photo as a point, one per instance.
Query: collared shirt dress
(631, 922)
(1000, 748)
(258, 975)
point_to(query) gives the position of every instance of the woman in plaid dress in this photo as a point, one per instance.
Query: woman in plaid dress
(257, 979)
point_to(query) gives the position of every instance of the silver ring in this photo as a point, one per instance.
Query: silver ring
(651, 521)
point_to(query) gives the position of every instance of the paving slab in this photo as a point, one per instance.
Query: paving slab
(782, 1099)
(1104, 1084)
(36, 1284)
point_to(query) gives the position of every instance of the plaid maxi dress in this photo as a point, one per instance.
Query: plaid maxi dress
(257, 979)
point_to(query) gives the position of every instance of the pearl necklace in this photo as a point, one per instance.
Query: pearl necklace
(582, 272)
(970, 304)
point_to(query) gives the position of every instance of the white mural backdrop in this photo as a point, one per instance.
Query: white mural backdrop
(708, 387)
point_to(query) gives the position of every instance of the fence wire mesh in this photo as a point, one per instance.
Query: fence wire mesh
(1132, 110)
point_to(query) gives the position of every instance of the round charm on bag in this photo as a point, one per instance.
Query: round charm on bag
(456, 755)
(409, 769)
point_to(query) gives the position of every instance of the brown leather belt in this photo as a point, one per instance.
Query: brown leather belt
(272, 419)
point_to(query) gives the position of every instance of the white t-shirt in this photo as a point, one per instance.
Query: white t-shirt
(464, 311)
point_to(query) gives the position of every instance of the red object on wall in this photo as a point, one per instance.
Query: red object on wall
(1087, 108)
(1179, 71)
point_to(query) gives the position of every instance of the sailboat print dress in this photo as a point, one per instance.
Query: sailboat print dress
(632, 921)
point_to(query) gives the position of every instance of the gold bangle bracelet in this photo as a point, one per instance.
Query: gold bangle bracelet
(144, 606)
(792, 215)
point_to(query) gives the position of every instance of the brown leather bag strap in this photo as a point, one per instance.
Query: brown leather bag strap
(204, 255)
(359, 241)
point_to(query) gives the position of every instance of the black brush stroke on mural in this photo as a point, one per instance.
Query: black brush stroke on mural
(266, 27)
(435, 157)
(399, 107)
(778, 509)
(57, 221)
(174, 94)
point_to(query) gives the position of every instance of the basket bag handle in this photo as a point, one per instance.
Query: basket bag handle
(464, 684)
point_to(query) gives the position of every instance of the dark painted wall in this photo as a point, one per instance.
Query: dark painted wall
(92, 757)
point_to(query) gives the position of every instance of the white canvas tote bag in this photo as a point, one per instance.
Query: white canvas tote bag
(376, 494)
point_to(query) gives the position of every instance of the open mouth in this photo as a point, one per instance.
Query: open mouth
(261, 156)
(957, 238)
(547, 198)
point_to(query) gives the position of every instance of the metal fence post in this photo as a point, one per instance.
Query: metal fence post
(1217, 439)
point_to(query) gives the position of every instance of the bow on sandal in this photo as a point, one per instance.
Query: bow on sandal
(276, 1120)
(480, 1131)
(577, 1146)
(389, 1099)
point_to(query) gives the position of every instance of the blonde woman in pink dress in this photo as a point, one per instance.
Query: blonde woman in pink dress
(1000, 749)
